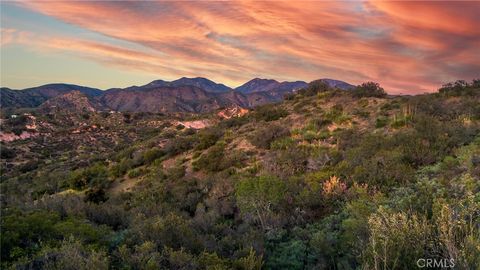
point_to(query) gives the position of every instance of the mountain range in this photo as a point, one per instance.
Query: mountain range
(182, 95)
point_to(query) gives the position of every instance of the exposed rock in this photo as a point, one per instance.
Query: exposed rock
(197, 124)
(234, 111)
(10, 137)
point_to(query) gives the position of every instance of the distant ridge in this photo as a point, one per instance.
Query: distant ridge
(257, 85)
(182, 95)
(34, 96)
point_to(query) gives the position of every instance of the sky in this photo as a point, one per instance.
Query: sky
(407, 47)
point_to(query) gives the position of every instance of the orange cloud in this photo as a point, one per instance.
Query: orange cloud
(12, 36)
(406, 46)
(459, 17)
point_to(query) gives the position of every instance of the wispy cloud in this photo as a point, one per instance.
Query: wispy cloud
(406, 46)
(13, 36)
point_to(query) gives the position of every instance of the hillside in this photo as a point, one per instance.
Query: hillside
(74, 101)
(161, 99)
(33, 97)
(321, 180)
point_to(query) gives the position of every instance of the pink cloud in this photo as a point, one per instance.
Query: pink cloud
(406, 46)
(12, 36)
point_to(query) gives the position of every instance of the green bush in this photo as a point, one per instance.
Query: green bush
(399, 123)
(136, 172)
(151, 155)
(362, 114)
(234, 122)
(179, 145)
(215, 159)
(363, 102)
(95, 195)
(390, 106)
(119, 169)
(72, 255)
(93, 176)
(369, 89)
(314, 88)
(23, 232)
(461, 88)
(291, 161)
(381, 122)
(263, 136)
(28, 166)
(212, 159)
(336, 114)
(301, 106)
(282, 143)
(319, 122)
(208, 137)
(260, 197)
(401, 237)
(269, 113)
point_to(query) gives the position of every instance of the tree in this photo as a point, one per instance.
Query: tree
(369, 89)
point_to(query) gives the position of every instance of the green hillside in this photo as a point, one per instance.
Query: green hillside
(327, 179)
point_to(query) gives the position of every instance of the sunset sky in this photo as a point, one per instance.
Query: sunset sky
(408, 47)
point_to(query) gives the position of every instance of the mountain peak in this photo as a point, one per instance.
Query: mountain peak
(206, 84)
(257, 85)
(337, 83)
(156, 83)
(200, 82)
(194, 78)
(262, 80)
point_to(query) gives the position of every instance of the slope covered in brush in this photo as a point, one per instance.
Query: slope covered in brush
(323, 180)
